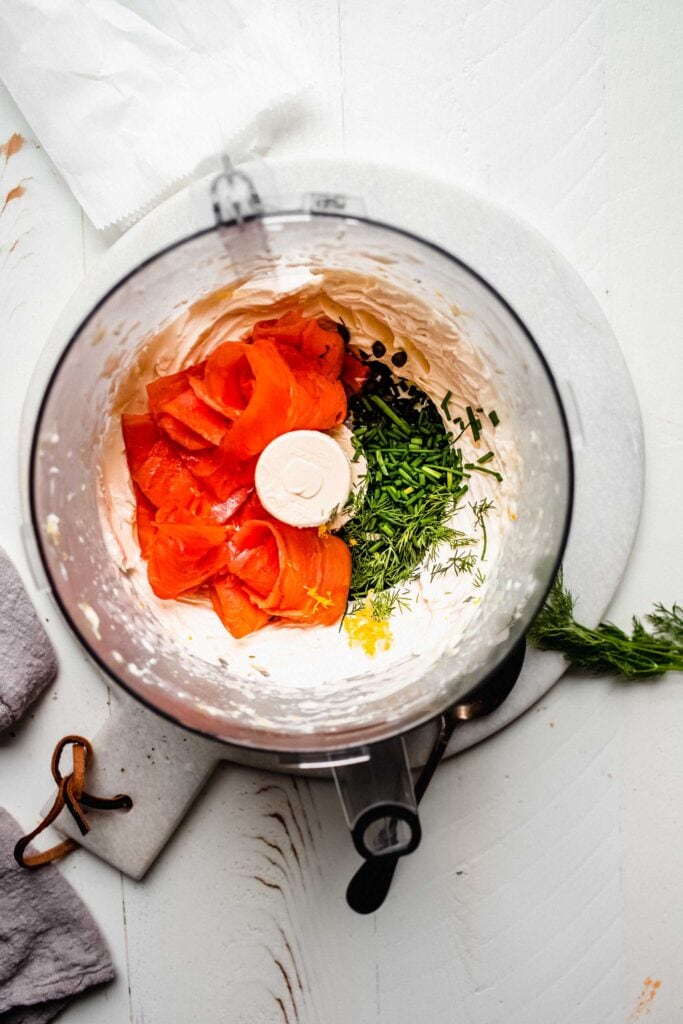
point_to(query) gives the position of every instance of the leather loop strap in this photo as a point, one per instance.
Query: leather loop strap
(70, 794)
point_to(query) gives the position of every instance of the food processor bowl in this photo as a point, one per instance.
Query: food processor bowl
(349, 717)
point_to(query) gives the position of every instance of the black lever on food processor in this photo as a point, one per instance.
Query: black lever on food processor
(377, 794)
(368, 888)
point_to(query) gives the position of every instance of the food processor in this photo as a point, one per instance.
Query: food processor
(357, 727)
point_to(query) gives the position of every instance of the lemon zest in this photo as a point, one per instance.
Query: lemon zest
(367, 632)
(321, 601)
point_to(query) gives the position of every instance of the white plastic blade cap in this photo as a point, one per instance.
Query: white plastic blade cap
(303, 477)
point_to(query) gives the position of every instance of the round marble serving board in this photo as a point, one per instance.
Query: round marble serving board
(601, 405)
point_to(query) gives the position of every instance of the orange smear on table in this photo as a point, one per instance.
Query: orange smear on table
(12, 146)
(14, 193)
(644, 1005)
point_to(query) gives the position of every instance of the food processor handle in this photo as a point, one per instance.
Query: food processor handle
(379, 802)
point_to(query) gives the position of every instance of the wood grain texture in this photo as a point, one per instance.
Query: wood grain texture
(511, 904)
(513, 911)
(504, 98)
(645, 119)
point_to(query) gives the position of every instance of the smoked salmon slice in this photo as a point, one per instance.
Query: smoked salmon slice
(267, 395)
(197, 416)
(317, 341)
(234, 608)
(140, 434)
(145, 524)
(164, 476)
(182, 435)
(220, 472)
(256, 561)
(354, 374)
(165, 389)
(307, 575)
(192, 459)
(184, 556)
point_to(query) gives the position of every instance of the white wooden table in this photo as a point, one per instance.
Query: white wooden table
(548, 889)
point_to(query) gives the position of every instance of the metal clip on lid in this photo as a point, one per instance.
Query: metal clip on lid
(233, 195)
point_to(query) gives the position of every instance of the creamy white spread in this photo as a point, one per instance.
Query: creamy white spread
(440, 359)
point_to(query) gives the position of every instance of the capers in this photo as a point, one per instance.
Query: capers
(378, 349)
(399, 358)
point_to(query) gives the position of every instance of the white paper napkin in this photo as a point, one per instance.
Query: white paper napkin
(128, 98)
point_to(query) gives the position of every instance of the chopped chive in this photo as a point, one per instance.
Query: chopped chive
(493, 416)
(474, 423)
(388, 411)
(414, 483)
(483, 469)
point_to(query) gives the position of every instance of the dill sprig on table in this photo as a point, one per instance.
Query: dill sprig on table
(416, 481)
(640, 655)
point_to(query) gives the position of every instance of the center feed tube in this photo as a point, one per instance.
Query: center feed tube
(378, 799)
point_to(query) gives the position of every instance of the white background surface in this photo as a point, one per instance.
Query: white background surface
(550, 885)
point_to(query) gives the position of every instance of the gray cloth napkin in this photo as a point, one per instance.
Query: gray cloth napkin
(50, 947)
(27, 658)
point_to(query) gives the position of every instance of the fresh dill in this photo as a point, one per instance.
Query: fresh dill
(640, 655)
(415, 482)
(480, 510)
(667, 623)
(385, 604)
(459, 562)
